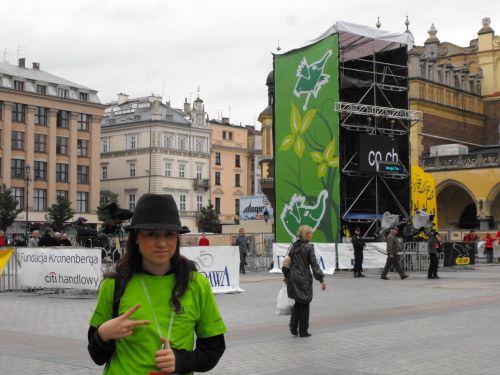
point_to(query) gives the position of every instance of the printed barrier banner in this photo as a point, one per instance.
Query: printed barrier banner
(60, 268)
(219, 264)
(459, 253)
(325, 254)
(4, 257)
(374, 255)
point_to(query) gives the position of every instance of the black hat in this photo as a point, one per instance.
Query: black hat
(357, 229)
(394, 227)
(157, 211)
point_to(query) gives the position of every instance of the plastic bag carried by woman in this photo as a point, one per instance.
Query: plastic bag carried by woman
(285, 304)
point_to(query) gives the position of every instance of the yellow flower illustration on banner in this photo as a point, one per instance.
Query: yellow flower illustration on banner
(326, 160)
(299, 127)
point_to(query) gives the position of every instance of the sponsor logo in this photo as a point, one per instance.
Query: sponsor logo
(463, 260)
(53, 278)
(217, 278)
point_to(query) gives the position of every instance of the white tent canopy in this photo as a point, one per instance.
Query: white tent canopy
(356, 41)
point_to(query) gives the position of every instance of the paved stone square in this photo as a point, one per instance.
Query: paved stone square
(359, 326)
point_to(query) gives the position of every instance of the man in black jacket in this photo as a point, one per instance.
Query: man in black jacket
(359, 245)
(392, 255)
(47, 239)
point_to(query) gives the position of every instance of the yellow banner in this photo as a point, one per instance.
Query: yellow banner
(4, 257)
(423, 192)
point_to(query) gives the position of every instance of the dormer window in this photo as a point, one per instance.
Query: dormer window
(62, 93)
(41, 89)
(84, 97)
(19, 85)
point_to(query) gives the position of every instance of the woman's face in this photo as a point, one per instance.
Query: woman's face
(309, 236)
(157, 247)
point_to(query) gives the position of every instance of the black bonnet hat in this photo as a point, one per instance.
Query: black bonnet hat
(156, 211)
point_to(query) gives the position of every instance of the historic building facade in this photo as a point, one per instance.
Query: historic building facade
(457, 89)
(52, 126)
(229, 168)
(254, 156)
(148, 146)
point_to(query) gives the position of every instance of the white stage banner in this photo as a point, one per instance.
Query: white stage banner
(480, 249)
(60, 268)
(374, 255)
(325, 255)
(219, 264)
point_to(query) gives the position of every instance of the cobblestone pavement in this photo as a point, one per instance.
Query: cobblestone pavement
(358, 326)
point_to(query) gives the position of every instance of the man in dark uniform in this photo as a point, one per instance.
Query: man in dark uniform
(392, 255)
(408, 232)
(432, 248)
(359, 245)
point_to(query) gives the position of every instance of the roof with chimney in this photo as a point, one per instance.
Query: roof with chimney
(34, 76)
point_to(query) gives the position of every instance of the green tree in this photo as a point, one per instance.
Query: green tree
(60, 213)
(209, 219)
(8, 208)
(107, 197)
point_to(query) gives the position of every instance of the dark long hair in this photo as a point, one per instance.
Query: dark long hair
(131, 262)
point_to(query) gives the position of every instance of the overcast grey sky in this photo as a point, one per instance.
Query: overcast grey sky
(170, 48)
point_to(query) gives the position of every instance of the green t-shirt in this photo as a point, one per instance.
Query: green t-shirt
(135, 354)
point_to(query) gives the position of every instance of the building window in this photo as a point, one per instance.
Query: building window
(82, 147)
(199, 202)
(41, 89)
(227, 135)
(181, 142)
(237, 161)
(168, 140)
(199, 145)
(104, 144)
(132, 141)
(18, 194)
(168, 169)
(131, 169)
(82, 174)
(62, 145)
(84, 97)
(217, 158)
(252, 164)
(82, 201)
(1, 110)
(41, 115)
(62, 119)
(19, 85)
(18, 112)
(217, 205)
(62, 93)
(237, 181)
(17, 140)
(17, 168)
(131, 202)
(199, 172)
(62, 172)
(40, 170)
(217, 178)
(104, 172)
(39, 199)
(182, 202)
(237, 207)
(62, 193)
(83, 122)
(182, 170)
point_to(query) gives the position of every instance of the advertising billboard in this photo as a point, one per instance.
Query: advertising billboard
(253, 208)
(307, 141)
(375, 150)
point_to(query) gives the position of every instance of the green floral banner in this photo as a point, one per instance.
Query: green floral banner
(307, 142)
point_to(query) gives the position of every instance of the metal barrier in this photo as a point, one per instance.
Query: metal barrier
(9, 281)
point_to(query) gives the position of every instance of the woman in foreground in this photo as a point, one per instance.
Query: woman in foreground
(149, 310)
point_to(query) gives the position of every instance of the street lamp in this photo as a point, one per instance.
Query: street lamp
(27, 180)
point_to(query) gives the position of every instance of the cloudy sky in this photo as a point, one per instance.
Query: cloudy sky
(224, 47)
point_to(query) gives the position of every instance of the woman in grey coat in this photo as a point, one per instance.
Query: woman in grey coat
(299, 280)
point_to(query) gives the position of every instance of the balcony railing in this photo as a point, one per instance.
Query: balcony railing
(201, 183)
(457, 162)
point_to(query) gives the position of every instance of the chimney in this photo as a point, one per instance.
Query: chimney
(187, 107)
(122, 98)
(225, 120)
(22, 62)
(36, 66)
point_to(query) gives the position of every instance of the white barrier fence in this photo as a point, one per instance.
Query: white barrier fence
(325, 254)
(82, 268)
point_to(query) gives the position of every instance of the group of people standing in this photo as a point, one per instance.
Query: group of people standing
(47, 240)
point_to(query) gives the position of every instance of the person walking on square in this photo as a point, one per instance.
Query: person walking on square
(359, 245)
(244, 244)
(299, 280)
(432, 249)
(150, 310)
(392, 255)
